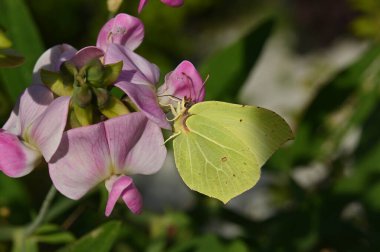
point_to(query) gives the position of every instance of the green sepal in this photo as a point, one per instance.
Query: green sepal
(112, 72)
(56, 83)
(68, 68)
(102, 97)
(114, 108)
(84, 115)
(82, 96)
(73, 120)
(4, 41)
(10, 58)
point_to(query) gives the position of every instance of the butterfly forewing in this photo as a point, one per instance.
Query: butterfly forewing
(220, 151)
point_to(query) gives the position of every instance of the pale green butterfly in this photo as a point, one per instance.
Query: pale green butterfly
(220, 147)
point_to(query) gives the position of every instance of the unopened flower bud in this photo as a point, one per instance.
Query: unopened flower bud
(94, 73)
(82, 96)
(113, 5)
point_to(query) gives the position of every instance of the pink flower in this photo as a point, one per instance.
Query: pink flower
(34, 130)
(118, 38)
(124, 30)
(109, 151)
(184, 81)
(138, 79)
(172, 3)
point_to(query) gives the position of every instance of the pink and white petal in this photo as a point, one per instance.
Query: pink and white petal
(85, 55)
(16, 158)
(46, 131)
(173, 3)
(146, 100)
(148, 155)
(124, 30)
(136, 144)
(142, 5)
(33, 102)
(13, 124)
(124, 187)
(136, 69)
(52, 59)
(122, 134)
(184, 81)
(81, 161)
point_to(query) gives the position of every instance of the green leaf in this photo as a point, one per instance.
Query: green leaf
(11, 191)
(221, 146)
(99, 240)
(21, 29)
(10, 58)
(55, 238)
(349, 85)
(52, 234)
(237, 246)
(210, 243)
(229, 68)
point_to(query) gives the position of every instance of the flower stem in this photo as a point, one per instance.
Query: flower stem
(42, 213)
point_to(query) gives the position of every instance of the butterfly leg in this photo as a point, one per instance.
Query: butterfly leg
(172, 137)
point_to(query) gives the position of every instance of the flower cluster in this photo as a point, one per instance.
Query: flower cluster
(70, 118)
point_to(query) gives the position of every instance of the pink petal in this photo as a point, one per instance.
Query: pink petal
(146, 100)
(173, 3)
(184, 81)
(13, 124)
(136, 69)
(136, 144)
(124, 30)
(81, 161)
(46, 131)
(33, 102)
(16, 158)
(142, 5)
(124, 187)
(85, 55)
(52, 59)
(88, 155)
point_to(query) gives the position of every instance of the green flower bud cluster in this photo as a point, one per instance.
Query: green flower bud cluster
(90, 89)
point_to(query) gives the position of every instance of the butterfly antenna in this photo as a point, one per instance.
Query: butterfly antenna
(191, 89)
(203, 86)
(173, 97)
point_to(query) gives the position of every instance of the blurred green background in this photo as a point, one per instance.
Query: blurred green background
(316, 62)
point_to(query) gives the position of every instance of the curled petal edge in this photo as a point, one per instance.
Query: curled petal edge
(123, 187)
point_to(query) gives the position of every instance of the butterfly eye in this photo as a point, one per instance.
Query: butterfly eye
(188, 103)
